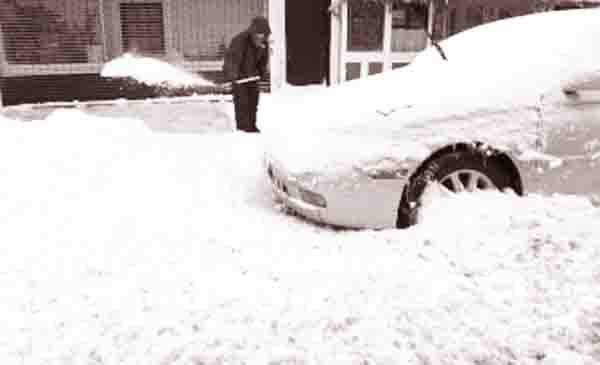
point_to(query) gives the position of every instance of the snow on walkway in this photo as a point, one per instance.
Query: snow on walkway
(122, 245)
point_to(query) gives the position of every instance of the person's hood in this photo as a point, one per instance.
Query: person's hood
(259, 25)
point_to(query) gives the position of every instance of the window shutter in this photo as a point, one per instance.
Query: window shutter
(142, 27)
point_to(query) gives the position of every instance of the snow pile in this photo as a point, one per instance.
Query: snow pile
(152, 71)
(203, 113)
(125, 246)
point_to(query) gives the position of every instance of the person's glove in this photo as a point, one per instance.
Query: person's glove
(226, 87)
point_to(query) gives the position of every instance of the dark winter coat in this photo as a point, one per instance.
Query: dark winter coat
(243, 58)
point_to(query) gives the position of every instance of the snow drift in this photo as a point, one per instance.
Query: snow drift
(125, 246)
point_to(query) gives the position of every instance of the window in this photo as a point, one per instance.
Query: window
(452, 27)
(142, 28)
(440, 23)
(352, 70)
(409, 24)
(365, 26)
(474, 16)
(375, 68)
(50, 32)
(205, 28)
(503, 14)
(409, 16)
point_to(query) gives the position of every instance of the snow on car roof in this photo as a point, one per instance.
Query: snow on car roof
(505, 65)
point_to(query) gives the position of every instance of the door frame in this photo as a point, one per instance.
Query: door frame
(340, 55)
(278, 48)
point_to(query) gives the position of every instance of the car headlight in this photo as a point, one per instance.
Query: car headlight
(391, 174)
(312, 198)
(386, 169)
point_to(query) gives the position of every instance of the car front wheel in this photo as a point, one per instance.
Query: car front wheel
(458, 171)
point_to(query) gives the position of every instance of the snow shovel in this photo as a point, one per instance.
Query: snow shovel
(246, 80)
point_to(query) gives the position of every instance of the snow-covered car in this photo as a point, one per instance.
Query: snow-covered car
(516, 106)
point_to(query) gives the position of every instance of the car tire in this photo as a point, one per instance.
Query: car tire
(464, 170)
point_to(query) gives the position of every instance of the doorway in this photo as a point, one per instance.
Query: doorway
(308, 33)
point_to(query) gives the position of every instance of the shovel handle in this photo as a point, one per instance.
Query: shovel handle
(241, 81)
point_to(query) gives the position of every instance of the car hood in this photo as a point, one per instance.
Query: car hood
(331, 156)
(340, 129)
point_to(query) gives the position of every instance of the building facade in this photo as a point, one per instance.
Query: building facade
(370, 36)
(53, 50)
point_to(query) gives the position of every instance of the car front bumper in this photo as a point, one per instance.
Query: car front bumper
(364, 203)
(287, 189)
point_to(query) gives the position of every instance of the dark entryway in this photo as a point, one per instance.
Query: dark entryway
(308, 33)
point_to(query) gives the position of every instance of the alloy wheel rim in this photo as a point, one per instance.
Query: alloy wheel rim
(467, 180)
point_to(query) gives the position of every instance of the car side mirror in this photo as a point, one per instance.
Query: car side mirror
(580, 82)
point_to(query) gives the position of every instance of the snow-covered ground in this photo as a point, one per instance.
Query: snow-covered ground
(123, 244)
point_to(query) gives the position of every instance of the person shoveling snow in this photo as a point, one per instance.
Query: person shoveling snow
(170, 80)
(246, 62)
(153, 72)
(245, 65)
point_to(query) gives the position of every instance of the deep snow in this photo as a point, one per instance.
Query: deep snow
(146, 233)
(122, 244)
